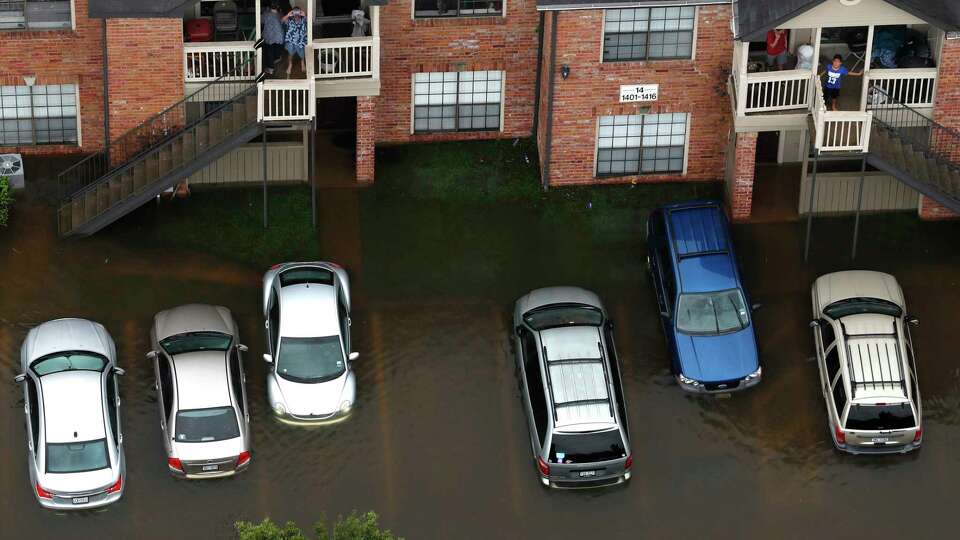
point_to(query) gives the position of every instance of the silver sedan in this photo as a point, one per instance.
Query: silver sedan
(72, 406)
(201, 391)
(307, 311)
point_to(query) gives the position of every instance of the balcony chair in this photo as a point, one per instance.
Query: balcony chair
(857, 43)
(226, 20)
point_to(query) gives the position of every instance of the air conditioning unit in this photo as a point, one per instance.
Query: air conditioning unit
(11, 166)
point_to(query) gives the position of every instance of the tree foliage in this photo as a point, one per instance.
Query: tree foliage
(353, 527)
(6, 200)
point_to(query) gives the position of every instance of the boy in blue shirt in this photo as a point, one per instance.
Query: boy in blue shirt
(831, 86)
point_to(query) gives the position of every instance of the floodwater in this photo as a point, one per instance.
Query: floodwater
(437, 444)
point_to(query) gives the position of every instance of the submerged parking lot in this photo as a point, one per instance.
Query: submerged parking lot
(437, 445)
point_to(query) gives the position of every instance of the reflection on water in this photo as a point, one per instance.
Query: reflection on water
(437, 444)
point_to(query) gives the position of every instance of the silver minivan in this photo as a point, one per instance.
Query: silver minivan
(72, 412)
(571, 387)
(201, 391)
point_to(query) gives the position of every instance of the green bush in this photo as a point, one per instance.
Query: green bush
(6, 200)
(353, 527)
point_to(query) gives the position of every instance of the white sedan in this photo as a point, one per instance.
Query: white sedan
(307, 310)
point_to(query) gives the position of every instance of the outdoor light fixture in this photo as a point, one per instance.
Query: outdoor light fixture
(30, 79)
(564, 71)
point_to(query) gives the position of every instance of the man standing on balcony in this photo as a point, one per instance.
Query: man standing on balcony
(777, 48)
(831, 86)
(272, 37)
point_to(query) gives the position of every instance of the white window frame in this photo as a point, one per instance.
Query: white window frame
(413, 105)
(413, 13)
(693, 44)
(639, 173)
(79, 143)
(72, 27)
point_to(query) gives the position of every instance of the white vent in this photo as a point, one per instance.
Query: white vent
(11, 166)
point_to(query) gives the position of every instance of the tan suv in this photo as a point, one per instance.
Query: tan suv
(867, 371)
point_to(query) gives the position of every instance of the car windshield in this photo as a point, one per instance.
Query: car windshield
(310, 360)
(206, 425)
(69, 361)
(881, 417)
(77, 457)
(587, 447)
(563, 315)
(711, 313)
(196, 341)
(854, 306)
(306, 274)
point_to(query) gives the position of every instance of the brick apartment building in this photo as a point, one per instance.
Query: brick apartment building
(613, 92)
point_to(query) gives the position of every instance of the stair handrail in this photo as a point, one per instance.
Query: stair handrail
(900, 117)
(153, 131)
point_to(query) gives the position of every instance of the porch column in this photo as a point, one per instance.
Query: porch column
(366, 138)
(742, 175)
(866, 69)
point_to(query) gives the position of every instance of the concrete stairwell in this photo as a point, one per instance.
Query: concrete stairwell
(915, 164)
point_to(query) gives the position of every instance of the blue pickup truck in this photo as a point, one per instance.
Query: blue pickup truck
(704, 310)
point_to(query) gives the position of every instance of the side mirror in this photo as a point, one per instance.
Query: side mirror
(241, 347)
(20, 378)
(152, 355)
(912, 321)
(119, 371)
(353, 356)
(610, 325)
(815, 323)
(267, 358)
(518, 330)
(755, 307)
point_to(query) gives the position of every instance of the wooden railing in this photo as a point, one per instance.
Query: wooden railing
(913, 87)
(839, 131)
(209, 61)
(775, 90)
(279, 100)
(343, 58)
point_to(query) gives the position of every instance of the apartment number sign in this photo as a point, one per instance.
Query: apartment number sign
(633, 93)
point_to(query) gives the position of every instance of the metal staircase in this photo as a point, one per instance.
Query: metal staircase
(916, 150)
(159, 153)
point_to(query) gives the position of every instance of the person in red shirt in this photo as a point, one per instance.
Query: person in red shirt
(777, 48)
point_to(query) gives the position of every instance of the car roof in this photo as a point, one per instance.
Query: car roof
(578, 379)
(857, 284)
(68, 335)
(875, 368)
(193, 318)
(309, 310)
(557, 295)
(202, 380)
(707, 273)
(72, 404)
(697, 228)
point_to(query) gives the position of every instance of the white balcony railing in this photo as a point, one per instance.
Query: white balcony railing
(839, 131)
(775, 90)
(279, 100)
(346, 58)
(208, 61)
(909, 86)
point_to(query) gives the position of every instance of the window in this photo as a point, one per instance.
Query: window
(344, 320)
(274, 323)
(615, 377)
(881, 416)
(31, 115)
(310, 360)
(236, 381)
(587, 448)
(80, 456)
(35, 14)
(457, 101)
(306, 274)
(531, 368)
(33, 401)
(457, 8)
(114, 417)
(712, 313)
(833, 363)
(71, 361)
(827, 335)
(207, 425)
(196, 341)
(554, 315)
(166, 386)
(839, 398)
(641, 144)
(648, 33)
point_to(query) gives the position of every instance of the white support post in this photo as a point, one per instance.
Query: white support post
(741, 78)
(375, 47)
(375, 21)
(815, 67)
(257, 8)
(866, 69)
(308, 52)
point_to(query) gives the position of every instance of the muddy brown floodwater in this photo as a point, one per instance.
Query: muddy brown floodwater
(438, 445)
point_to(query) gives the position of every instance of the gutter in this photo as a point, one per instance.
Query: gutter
(106, 96)
(548, 144)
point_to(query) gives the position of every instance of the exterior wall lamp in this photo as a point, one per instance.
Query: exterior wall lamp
(564, 71)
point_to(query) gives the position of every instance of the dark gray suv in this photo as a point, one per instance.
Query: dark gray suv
(572, 392)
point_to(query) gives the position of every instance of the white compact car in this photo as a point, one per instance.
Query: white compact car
(307, 311)
(72, 408)
(868, 375)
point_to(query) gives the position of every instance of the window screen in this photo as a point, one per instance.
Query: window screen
(457, 101)
(641, 144)
(45, 114)
(457, 8)
(35, 14)
(648, 33)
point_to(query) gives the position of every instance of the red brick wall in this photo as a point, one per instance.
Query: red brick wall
(60, 57)
(410, 45)
(366, 135)
(146, 69)
(744, 167)
(693, 86)
(946, 111)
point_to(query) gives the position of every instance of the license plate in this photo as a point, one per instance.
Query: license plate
(880, 440)
(81, 500)
(586, 474)
(210, 467)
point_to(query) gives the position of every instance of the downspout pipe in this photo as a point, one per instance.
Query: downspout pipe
(551, 84)
(537, 83)
(106, 96)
